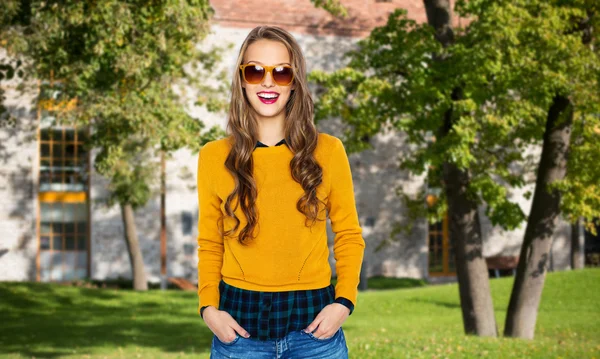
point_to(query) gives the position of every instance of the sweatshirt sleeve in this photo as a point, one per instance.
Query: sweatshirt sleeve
(210, 241)
(349, 245)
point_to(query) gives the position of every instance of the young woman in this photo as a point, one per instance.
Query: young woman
(264, 192)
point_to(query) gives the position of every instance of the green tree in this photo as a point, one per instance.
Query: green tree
(539, 54)
(121, 61)
(471, 102)
(398, 78)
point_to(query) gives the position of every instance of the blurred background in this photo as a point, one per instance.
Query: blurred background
(456, 117)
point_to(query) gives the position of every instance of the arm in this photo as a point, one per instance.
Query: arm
(210, 241)
(348, 247)
(349, 244)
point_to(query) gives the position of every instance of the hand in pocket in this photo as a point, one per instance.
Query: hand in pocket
(223, 325)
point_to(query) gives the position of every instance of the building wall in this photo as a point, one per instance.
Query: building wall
(18, 202)
(500, 242)
(375, 172)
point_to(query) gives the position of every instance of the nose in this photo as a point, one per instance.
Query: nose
(268, 80)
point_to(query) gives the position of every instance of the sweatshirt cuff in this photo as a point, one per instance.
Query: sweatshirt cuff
(202, 310)
(346, 302)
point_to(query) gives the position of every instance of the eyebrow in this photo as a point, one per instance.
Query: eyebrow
(281, 63)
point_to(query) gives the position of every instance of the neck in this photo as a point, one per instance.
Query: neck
(271, 129)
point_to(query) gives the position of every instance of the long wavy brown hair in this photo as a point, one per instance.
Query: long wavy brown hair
(300, 135)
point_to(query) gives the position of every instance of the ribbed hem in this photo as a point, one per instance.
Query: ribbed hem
(240, 283)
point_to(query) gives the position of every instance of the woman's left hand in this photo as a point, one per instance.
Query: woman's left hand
(328, 321)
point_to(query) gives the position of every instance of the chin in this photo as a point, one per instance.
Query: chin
(269, 113)
(267, 110)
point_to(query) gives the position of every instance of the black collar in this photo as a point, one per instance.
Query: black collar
(260, 144)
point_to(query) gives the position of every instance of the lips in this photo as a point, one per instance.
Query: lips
(268, 97)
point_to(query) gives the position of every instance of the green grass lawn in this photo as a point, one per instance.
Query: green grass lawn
(50, 321)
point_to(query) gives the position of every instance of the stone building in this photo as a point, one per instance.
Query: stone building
(54, 226)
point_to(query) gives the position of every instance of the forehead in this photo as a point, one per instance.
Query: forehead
(267, 52)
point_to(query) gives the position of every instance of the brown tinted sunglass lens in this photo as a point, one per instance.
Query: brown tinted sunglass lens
(282, 75)
(254, 74)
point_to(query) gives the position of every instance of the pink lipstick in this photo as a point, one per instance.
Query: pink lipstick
(268, 97)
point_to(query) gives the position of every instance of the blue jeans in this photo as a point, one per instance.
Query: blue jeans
(295, 345)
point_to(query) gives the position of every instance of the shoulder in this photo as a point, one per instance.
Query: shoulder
(330, 150)
(215, 151)
(216, 148)
(328, 143)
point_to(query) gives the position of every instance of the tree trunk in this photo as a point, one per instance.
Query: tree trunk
(471, 268)
(163, 221)
(465, 231)
(535, 251)
(577, 244)
(439, 16)
(133, 248)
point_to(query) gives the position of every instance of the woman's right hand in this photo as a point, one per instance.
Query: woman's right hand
(222, 324)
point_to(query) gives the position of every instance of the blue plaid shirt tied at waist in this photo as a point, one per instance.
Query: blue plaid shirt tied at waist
(272, 315)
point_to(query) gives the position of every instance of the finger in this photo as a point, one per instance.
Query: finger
(315, 323)
(321, 332)
(325, 334)
(241, 331)
(228, 336)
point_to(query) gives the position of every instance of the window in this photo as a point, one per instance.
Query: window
(441, 250)
(63, 162)
(63, 240)
(63, 219)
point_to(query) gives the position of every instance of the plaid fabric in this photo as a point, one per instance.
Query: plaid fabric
(271, 315)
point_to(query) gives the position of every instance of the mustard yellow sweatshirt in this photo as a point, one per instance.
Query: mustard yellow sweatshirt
(286, 254)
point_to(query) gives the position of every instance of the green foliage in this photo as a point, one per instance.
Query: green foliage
(498, 78)
(126, 63)
(332, 6)
(581, 187)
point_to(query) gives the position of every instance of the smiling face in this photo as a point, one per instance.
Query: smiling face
(267, 98)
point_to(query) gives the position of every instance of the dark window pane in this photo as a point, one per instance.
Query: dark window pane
(58, 134)
(57, 150)
(70, 242)
(45, 242)
(44, 177)
(57, 243)
(81, 227)
(69, 150)
(187, 222)
(45, 149)
(70, 177)
(80, 150)
(57, 228)
(69, 228)
(45, 134)
(70, 134)
(81, 243)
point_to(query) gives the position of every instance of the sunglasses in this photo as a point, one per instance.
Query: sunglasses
(255, 74)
